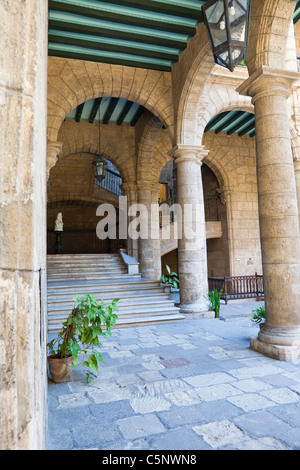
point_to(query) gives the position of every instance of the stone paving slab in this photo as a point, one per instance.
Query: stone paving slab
(193, 385)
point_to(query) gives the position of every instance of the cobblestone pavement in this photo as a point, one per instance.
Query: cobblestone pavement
(190, 385)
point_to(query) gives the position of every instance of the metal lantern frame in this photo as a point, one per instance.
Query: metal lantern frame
(230, 44)
(100, 162)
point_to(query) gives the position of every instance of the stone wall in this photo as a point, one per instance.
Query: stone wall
(233, 160)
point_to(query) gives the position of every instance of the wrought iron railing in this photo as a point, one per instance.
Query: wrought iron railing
(111, 182)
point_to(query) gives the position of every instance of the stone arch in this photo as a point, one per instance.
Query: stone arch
(217, 99)
(269, 29)
(72, 82)
(192, 89)
(72, 179)
(116, 142)
(145, 157)
(153, 153)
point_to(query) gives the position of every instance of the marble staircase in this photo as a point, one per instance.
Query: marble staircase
(142, 301)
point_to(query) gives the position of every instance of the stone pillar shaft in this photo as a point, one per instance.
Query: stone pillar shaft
(130, 191)
(23, 329)
(297, 177)
(149, 248)
(192, 255)
(278, 213)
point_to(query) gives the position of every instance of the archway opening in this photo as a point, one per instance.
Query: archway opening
(75, 193)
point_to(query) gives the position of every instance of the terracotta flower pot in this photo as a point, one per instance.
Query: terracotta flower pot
(60, 368)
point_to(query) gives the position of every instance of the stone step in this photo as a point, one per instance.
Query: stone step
(85, 257)
(66, 308)
(117, 283)
(74, 273)
(135, 321)
(77, 266)
(108, 294)
(79, 262)
(131, 312)
(131, 297)
(142, 301)
(86, 277)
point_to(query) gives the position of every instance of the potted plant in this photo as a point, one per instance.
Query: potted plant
(78, 342)
(214, 298)
(171, 280)
(259, 315)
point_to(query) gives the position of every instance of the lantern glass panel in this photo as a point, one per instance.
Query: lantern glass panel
(217, 23)
(238, 18)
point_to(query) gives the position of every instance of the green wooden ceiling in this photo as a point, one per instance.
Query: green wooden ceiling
(296, 17)
(107, 110)
(149, 34)
(146, 33)
(233, 122)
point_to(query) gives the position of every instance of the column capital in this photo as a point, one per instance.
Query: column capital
(127, 186)
(146, 184)
(268, 81)
(224, 192)
(54, 148)
(182, 153)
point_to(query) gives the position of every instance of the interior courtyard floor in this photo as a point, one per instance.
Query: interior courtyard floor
(187, 385)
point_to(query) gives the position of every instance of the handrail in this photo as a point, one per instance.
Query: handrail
(238, 287)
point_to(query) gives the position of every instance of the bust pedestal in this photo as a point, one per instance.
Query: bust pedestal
(58, 244)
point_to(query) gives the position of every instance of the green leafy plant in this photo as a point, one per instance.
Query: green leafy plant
(214, 298)
(170, 278)
(81, 332)
(258, 314)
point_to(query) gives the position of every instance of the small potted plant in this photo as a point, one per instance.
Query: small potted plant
(78, 342)
(214, 298)
(259, 315)
(171, 280)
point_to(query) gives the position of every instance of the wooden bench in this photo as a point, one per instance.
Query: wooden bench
(238, 287)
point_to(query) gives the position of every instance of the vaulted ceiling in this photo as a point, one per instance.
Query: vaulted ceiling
(145, 33)
(140, 33)
(148, 34)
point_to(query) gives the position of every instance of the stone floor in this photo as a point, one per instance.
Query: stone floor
(191, 385)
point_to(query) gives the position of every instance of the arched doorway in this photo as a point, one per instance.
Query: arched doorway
(78, 202)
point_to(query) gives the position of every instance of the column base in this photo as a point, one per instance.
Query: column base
(281, 353)
(279, 343)
(196, 311)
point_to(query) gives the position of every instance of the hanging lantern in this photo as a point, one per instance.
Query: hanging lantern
(100, 163)
(227, 24)
(100, 168)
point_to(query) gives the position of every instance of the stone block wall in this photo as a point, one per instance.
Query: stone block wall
(234, 161)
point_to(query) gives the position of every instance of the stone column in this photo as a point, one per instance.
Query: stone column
(53, 151)
(130, 191)
(225, 193)
(23, 329)
(297, 177)
(149, 248)
(278, 213)
(192, 254)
